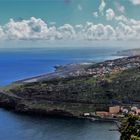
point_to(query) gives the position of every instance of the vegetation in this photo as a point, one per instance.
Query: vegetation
(134, 138)
(12, 86)
(130, 128)
(76, 94)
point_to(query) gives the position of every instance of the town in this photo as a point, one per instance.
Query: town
(109, 67)
(114, 113)
(96, 70)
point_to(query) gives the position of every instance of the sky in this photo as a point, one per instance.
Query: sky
(70, 19)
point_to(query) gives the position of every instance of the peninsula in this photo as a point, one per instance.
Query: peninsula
(107, 89)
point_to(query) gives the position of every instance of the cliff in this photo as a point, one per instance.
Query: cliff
(74, 95)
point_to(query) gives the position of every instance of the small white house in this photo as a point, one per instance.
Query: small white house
(86, 114)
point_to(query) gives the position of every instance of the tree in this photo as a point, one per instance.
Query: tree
(130, 129)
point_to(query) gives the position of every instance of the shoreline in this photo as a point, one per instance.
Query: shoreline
(62, 71)
(71, 95)
(115, 56)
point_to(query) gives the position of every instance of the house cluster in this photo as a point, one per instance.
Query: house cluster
(131, 110)
(110, 66)
(114, 112)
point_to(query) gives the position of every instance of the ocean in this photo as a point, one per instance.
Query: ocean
(23, 59)
(20, 127)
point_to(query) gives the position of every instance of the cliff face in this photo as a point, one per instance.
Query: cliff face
(74, 95)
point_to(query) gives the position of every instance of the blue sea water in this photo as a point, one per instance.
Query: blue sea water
(21, 127)
(23, 59)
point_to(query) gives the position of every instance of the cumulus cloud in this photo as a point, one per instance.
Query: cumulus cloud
(95, 14)
(34, 28)
(99, 32)
(67, 31)
(79, 26)
(135, 2)
(1, 33)
(121, 18)
(110, 14)
(102, 7)
(128, 28)
(120, 8)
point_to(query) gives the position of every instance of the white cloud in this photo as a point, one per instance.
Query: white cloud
(95, 14)
(79, 26)
(128, 28)
(135, 2)
(99, 32)
(67, 31)
(121, 18)
(53, 34)
(33, 28)
(124, 29)
(2, 35)
(80, 8)
(120, 8)
(102, 7)
(110, 32)
(110, 14)
(52, 23)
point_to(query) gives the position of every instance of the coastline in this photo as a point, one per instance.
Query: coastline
(70, 95)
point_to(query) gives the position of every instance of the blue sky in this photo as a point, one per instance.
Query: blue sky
(70, 19)
(63, 11)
